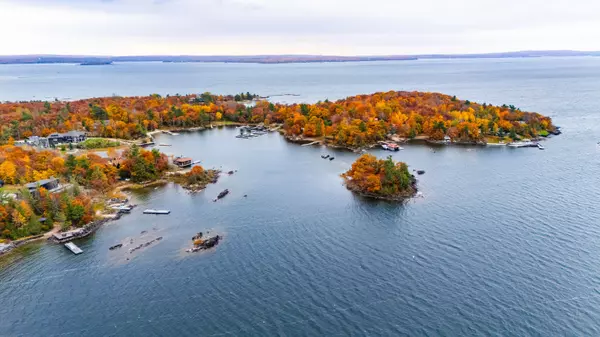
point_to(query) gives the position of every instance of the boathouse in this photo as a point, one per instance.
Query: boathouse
(183, 161)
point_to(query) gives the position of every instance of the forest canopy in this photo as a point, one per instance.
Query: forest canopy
(380, 178)
(353, 122)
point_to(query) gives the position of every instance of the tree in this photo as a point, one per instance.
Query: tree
(8, 172)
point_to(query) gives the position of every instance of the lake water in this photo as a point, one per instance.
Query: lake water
(504, 241)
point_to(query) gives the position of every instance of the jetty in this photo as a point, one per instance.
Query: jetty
(73, 248)
(157, 211)
(312, 143)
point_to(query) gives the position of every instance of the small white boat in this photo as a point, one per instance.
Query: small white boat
(522, 144)
(123, 208)
(391, 147)
(540, 146)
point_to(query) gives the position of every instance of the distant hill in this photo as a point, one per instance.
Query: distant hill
(270, 59)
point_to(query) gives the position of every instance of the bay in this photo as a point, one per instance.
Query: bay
(504, 241)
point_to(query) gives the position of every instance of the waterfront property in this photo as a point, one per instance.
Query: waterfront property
(65, 138)
(183, 162)
(68, 236)
(56, 139)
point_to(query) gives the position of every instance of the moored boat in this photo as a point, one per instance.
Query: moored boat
(391, 147)
(525, 143)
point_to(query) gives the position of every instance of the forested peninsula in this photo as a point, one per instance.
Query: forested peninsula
(354, 122)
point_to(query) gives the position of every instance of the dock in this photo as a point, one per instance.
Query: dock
(73, 248)
(312, 143)
(157, 211)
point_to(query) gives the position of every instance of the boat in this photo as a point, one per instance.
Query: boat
(525, 143)
(324, 156)
(420, 172)
(119, 245)
(73, 248)
(123, 208)
(540, 146)
(163, 144)
(391, 147)
(331, 158)
(157, 211)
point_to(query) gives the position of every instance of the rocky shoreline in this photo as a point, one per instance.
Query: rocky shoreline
(396, 198)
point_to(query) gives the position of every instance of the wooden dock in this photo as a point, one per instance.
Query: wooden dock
(73, 248)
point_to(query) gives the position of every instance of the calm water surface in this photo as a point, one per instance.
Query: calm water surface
(504, 242)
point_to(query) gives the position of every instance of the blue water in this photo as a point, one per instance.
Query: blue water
(504, 241)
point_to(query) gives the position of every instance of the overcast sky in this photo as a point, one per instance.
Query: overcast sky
(334, 27)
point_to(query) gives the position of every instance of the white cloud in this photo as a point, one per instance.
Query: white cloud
(209, 27)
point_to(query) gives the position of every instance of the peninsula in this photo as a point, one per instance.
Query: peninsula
(355, 122)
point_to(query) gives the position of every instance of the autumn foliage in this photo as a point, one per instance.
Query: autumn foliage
(380, 178)
(141, 165)
(352, 122)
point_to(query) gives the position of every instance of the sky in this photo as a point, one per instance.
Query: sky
(322, 27)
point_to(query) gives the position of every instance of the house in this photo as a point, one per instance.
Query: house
(447, 139)
(74, 136)
(69, 137)
(49, 184)
(183, 161)
(37, 141)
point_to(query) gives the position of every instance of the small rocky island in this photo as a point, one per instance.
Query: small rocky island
(196, 179)
(380, 178)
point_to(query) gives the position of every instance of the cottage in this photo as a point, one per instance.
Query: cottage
(49, 184)
(183, 161)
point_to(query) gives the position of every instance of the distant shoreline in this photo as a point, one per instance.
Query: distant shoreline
(278, 59)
